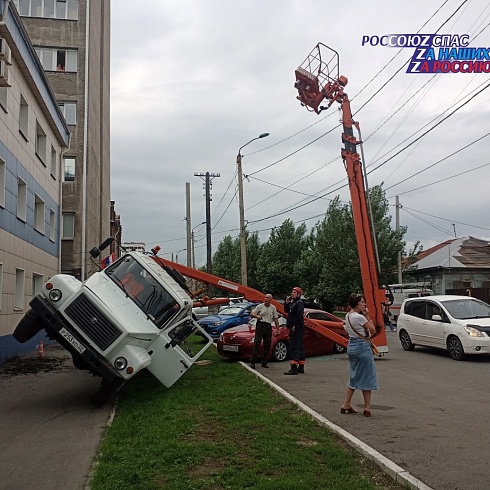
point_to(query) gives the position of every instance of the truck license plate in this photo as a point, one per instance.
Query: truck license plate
(232, 348)
(73, 341)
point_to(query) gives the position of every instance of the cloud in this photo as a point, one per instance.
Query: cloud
(191, 82)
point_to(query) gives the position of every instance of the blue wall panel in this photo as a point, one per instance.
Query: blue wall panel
(8, 215)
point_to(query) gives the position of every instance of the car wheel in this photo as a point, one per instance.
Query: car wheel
(281, 351)
(455, 348)
(338, 349)
(406, 341)
(29, 326)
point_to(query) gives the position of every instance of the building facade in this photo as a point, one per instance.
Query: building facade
(72, 41)
(33, 138)
(456, 266)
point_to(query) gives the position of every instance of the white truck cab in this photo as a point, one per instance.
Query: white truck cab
(130, 316)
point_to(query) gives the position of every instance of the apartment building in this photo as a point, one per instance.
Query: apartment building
(33, 138)
(72, 41)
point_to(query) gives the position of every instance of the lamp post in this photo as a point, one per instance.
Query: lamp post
(243, 243)
(192, 242)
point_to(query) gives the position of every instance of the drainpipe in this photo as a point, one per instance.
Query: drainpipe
(85, 137)
(60, 176)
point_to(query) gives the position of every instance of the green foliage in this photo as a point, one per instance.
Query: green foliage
(325, 263)
(278, 257)
(226, 260)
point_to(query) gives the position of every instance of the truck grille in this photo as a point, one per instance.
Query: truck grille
(92, 322)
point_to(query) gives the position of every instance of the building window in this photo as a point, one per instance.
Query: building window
(3, 98)
(37, 283)
(3, 174)
(69, 110)
(23, 117)
(51, 9)
(69, 169)
(68, 226)
(40, 143)
(1, 285)
(39, 214)
(19, 289)
(21, 199)
(52, 225)
(54, 59)
(54, 161)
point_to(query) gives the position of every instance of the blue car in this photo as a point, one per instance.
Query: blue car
(228, 317)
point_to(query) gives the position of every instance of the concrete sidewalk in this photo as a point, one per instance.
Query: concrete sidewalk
(399, 474)
(50, 430)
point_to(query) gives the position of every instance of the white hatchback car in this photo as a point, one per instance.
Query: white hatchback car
(460, 324)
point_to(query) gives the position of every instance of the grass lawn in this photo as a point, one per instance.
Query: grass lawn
(220, 427)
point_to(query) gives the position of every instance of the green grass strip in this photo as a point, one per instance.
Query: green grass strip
(220, 427)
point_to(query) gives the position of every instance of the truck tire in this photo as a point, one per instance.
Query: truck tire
(106, 392)
(29, 326)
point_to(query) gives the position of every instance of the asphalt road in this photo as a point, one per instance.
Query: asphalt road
(50, 431)
(429, 415)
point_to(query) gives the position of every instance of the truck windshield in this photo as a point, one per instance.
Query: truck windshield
(143, 289)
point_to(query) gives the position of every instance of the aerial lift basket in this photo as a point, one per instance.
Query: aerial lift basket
(318, 78)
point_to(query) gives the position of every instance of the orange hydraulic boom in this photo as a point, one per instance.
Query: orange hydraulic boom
(318, 80)
(249, 293)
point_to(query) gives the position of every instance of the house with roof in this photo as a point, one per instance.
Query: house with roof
(456, 266)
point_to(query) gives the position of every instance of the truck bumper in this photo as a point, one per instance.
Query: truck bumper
(89, 359)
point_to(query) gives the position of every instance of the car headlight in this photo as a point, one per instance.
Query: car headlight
(55, 295)
(252, 340)
(473, 332)
(217, 324)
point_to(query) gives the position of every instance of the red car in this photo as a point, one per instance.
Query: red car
(238, 342)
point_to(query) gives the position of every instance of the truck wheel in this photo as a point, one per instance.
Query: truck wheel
(29, 326)
(106, 391)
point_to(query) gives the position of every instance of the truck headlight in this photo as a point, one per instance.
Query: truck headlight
(55, 295)
(120, 363)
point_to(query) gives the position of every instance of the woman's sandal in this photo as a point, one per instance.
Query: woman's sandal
(347, 410)
(367, 413)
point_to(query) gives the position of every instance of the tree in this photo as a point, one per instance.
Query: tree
(333, 266)
(278, 257)
(226, 259)
(253, 254)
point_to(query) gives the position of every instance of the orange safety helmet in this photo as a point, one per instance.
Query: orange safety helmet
(298, 290)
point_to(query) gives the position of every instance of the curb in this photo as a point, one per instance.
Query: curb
(396, 472)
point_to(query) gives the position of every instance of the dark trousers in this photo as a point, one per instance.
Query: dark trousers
(262, 331)
(296, 346)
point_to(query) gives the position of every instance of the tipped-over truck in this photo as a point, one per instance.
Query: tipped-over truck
(134, 314)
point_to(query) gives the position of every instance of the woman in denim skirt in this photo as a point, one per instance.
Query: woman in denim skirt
(362, 371)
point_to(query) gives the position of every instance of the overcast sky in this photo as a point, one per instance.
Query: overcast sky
(192, 81)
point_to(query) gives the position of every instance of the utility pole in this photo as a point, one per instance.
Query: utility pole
(397, 214)
(188, 222)
(207, 185)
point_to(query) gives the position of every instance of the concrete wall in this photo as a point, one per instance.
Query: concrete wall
(71, 34)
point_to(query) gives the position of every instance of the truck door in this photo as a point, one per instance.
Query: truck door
(176, 349)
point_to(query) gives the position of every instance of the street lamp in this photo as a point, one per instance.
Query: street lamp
(192, 242)
(243, 244)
